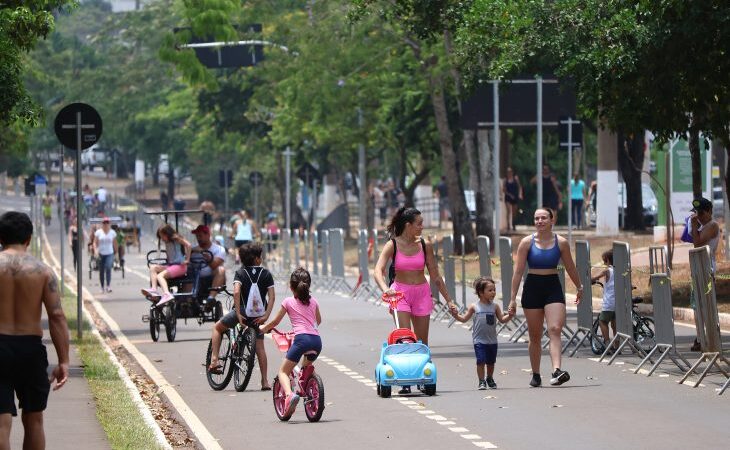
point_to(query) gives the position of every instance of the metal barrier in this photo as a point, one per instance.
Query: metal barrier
(449, 267)
(585, 307)
(661, 294)
(708, 323)
(622, 287)
(659, 260)
(485, 261)
(364, 289)
(297, 261)
(506, 270)
(306, 250)
(337, 255)
(440, 308)
(315, 253)
(325, 244)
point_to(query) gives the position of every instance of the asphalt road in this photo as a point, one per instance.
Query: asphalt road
(601, 407)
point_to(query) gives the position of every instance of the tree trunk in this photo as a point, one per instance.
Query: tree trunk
(694, 152)
(630, 161)
(459, 212)
(472, 158)
(483, 196)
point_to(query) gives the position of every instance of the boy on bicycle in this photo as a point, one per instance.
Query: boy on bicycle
(252, 285)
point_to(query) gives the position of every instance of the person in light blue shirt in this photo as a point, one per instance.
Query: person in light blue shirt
(577, 199)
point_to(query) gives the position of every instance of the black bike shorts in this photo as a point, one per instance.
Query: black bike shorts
(230, 320)
(541, 290)
(23, 372)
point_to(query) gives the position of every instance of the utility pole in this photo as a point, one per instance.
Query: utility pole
(288, 154)
(361, 174)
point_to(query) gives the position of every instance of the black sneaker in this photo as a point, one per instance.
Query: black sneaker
(536, 380)
(559, 377)
(482, 385)
(491, 383)
(405, 390)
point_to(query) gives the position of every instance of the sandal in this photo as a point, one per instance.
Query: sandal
(216, 369)
(265, 388)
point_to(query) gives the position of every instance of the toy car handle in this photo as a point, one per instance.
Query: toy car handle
(393, 300)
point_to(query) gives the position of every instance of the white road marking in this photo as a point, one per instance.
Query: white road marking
(484, 444)
(458, 429)
(437, 418)
(426, 412)
(471, 437)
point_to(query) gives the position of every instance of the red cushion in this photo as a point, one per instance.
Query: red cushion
(402, 336)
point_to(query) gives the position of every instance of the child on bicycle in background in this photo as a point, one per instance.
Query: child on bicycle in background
(250, 281)
(304, 315)
(484, 331)
(608, 308)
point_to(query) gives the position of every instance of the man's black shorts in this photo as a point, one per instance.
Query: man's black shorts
(23, 372)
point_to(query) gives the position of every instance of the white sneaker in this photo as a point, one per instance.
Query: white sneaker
(165, 298)
(151, 292)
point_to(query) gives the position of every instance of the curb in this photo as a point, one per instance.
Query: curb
(131, 388)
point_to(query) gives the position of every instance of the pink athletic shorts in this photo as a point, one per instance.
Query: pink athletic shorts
(176, 270)
(417, 298)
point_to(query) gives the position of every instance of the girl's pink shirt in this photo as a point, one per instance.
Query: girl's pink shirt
(303, 317)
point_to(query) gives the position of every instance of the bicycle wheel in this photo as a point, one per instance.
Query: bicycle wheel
(219, 381)
(279, 399)
(244, 358)
(154, 324)
(168, 311)
(597, 345)
(644, 333)
(314, 398)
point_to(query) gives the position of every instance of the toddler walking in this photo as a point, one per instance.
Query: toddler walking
(484, 331)
(608, 307)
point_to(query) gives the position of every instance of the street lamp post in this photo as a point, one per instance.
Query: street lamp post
(288, 154)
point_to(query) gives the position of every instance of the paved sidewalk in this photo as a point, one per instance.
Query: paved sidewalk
(70, 419)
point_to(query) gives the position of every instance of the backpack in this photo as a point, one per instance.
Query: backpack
(391, 269)
(255, 303)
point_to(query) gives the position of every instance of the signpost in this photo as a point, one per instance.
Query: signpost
(256, 178)
(570, 133)
(78, 126)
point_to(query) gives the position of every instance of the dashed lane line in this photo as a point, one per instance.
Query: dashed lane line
(412, 405)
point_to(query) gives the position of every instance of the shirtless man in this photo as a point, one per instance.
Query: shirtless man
(26, 283)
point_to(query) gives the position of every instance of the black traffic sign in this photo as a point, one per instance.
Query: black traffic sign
(225, 178)
(576, 132)
(73, 116)
(256, 178)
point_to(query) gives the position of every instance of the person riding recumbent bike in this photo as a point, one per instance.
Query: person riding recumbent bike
(190, 296)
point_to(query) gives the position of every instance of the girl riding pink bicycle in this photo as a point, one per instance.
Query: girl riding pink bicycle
(304, 315)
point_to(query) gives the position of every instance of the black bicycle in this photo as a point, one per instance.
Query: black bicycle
(236, 356)
(642, 326)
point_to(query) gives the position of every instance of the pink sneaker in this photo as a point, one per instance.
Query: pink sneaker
(165, 298)
(290, 404)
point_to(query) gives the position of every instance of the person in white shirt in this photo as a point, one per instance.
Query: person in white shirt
(105, 247)
(101, 194)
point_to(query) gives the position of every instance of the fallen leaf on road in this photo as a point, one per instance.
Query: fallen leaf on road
(504, 372)
(157, 360)
(526, 370)
(590, 378)
(503, 407)
(557, 406)
(490, 397)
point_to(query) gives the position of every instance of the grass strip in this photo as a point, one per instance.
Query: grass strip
(121, 420)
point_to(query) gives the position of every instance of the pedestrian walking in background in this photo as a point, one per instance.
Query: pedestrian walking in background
(543, 300)
(577, 200)
(164, 201)
(486, 313)
(551, 196)
(47, 207)
(105, 247)
(513, 195)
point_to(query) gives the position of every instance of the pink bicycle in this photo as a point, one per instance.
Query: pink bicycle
(304, 382)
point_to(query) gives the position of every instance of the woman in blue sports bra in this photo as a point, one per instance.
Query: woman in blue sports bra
(543, 299)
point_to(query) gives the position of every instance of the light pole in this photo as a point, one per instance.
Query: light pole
(288, 154)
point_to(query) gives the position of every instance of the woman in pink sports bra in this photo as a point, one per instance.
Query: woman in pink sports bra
(412, 255)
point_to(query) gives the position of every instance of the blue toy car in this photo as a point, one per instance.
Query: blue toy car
(405, 365)
(404, 360)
